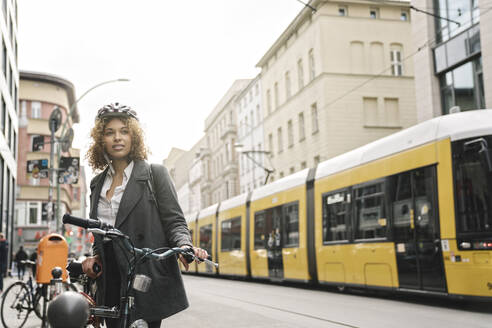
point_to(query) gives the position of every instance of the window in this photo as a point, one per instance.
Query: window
(252, 119)
(314, 118)
(8, 132)
(317, 159)
(404, 16)
(391, 112)
(275, 95)
(260, 229)
(280, 143)
(290, 133)
(281, 174)
(269, 101)
(270, 143)
(300, 74)
(473, 186)
(370, 211)
(206, 238)
(258, 116)
(35, 109)
(231, 234)
(374, 13)
(257, 89)
(336, 216)
(371, 117)
(287, 85)
(342, 11)
(33, 212)
(396, 63)
(302, 132)
(291, 225)
(303, 165)
(312, 71)
(292, 170)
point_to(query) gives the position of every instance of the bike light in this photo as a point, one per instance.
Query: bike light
(141, 283)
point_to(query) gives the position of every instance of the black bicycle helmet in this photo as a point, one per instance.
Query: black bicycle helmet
(116, 110)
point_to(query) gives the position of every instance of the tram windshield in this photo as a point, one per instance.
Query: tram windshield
(473, 185)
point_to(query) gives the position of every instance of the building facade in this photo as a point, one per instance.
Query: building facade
(453, 56)
(221, 175)
(39, 95)
(253, 160)
(9, 123)
(336, 79)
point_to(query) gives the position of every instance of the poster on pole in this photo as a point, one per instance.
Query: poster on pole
(37, 169)
(68, 172)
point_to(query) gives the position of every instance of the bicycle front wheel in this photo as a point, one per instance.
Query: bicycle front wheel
(16, 305)
(38, 298)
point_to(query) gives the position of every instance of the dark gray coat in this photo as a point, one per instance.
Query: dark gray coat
(138, 217)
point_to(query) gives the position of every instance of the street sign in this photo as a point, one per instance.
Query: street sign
(37, 168)
(55, 119)
(69, 170)
(37, 143)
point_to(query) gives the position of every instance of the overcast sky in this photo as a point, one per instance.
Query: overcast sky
(181, 56)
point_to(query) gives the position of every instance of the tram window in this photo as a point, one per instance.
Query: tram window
(473, 188)
(231, 234)
(335, 216)
(206, 238)
(260, 230)
(291, 225)
(370, 217)
(400, 191)
(425, 186)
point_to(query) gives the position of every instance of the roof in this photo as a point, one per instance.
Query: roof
(233, 202)
(288, 182)
(211, 210)
(454, 126)
(54, 79)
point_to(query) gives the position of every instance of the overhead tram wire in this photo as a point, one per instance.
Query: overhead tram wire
(308, 5)
(426, 44)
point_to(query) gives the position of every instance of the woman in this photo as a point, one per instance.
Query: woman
(139, 200)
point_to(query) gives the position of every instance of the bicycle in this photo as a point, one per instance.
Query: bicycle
(135, 281)
(21, 298)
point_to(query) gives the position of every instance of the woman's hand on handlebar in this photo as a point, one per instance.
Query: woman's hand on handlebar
(92, 266)
(199, 253)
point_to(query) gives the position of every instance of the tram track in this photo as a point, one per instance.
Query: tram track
(341, 324)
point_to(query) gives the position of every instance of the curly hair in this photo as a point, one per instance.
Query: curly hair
(95, 154)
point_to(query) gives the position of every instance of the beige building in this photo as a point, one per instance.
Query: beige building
(337, 79)
(221, 175)
(453, 62)
(39, 94)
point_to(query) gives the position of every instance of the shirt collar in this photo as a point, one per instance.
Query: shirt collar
(126, 173)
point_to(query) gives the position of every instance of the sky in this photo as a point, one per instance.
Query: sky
(180, 56)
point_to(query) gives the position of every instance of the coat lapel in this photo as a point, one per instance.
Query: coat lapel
(96, 186)
(133, 191)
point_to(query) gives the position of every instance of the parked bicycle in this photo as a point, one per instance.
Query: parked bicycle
(21, 298)
(136, 282)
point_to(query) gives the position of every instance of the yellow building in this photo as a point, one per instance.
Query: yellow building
(336, 79)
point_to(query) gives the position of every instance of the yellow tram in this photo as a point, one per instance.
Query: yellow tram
(411, 212)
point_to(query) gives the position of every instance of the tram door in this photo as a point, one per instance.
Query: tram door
(274, 243)
(416, 230)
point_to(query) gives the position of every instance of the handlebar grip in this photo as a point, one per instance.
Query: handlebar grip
(188, 257)
(80, 222)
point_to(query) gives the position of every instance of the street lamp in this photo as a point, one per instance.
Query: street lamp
(64, 136)
(248, 153)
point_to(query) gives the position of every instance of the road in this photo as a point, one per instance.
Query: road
(223, 303)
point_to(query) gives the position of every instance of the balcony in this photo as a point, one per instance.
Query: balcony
(230, 168)
(230, 129)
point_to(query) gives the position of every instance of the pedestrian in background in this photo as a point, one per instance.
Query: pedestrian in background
(4, 251)
(34, 257)
(20, 256)
(140, 200)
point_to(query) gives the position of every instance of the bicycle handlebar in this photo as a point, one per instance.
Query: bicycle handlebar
(98, 227)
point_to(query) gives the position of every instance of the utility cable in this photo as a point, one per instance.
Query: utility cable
(426, 44)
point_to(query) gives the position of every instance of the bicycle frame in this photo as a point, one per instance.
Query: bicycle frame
(126, 308)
